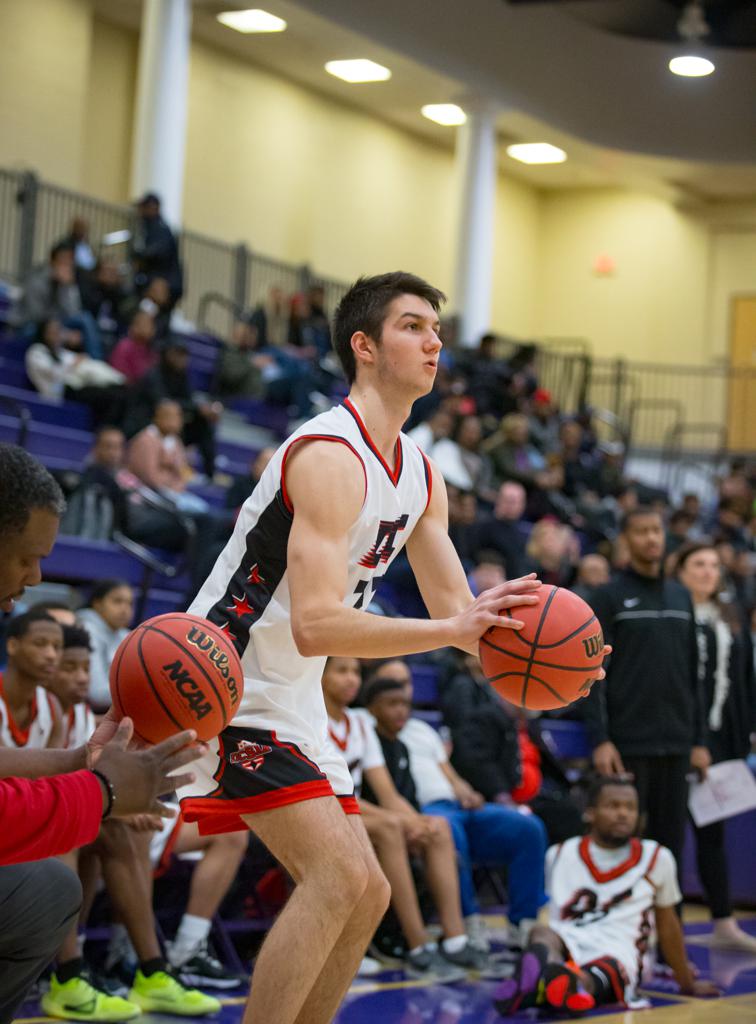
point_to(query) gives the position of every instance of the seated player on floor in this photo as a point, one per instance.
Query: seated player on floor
(606, 890)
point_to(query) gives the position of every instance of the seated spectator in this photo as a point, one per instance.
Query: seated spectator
(461, 462)
(581, 468)
(489, 572)
(553, 550)
(592, 572)
(78, 240)
(503, 531)
(438, 426)
(169, 379)
(154, 249)
(158, 457)
(242, 486)
(51, 292)
(57, 373)
(29, 715)
(103, 292)
(134, 355)
(679, 525)
(156, 301)
(107, 619)
(543, 422)
(586, 958)
(514, 458)
(484, 833)
(397, 830)
(271, 318)
(463, 514)
(134, 510)
(241, 366)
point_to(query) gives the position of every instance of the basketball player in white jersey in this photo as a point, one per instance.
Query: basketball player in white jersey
(332, 509)
(70, 684)
(30, 716)
(608, 891)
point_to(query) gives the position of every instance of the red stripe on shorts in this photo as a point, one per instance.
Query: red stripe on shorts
(215, 815)
(349, 804)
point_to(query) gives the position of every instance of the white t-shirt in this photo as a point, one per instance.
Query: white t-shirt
(355, 738)
(427, 754)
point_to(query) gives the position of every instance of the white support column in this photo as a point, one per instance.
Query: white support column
(476, 202)
(161, 107)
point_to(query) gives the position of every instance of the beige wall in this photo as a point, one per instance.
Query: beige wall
(44, 62)
(111, 90)
(301, 178)
(654, 305)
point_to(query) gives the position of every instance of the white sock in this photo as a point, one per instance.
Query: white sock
(416, 950)
(192, 931)
(455, 944)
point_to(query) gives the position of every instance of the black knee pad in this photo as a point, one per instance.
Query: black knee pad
(609, 978)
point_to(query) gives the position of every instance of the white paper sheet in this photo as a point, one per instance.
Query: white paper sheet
(728, 789)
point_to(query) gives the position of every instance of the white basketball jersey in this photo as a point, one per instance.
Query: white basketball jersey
(609, 912)
(78, 725)
(247, 592)
(40, 728)
(355, 737)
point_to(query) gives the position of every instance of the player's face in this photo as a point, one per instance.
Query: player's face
(391, 710)
(407, 356)
(614, 819)
(21, 553)
(645, 537)
(37, 652)
(341, 680)
(117, 607)
(71, 680)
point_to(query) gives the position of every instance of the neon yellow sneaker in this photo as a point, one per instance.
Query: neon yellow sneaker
(162, 993)
(76, 999)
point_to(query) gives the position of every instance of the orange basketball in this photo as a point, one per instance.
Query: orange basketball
(553, 660)
(176, 672)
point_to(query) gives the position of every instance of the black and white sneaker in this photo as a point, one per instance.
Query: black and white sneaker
(203, 970)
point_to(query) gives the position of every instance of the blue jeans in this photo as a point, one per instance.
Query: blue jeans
(496, 835)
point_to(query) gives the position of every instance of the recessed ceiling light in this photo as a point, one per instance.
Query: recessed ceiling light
(444, 113)
(537, 153)
(691, 66)
(358, 70)
(253, 20)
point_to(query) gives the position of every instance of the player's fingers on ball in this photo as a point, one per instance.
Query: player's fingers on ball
(512, 600)
(123, 733)
(508, 623)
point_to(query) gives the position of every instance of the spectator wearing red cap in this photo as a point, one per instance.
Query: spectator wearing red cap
(543, 422)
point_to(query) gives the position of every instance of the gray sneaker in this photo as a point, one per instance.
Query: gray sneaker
(470, 958)
(477, 933)
(428, 965)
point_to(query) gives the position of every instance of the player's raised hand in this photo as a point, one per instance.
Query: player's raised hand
(485, 611)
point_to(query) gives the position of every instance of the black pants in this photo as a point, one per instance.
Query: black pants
(663, 795)
(712, 868)
(38, 904)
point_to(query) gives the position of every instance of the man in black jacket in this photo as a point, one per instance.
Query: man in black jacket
(647, 718)
(154, 249)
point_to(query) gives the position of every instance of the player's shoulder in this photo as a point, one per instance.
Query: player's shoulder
(566, 848)
(660, 858)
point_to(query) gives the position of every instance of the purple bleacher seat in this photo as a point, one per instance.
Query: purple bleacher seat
(56, 447)
(432, 717)
(424, 683)
(567, 739)
(43, 410)
(262, 414)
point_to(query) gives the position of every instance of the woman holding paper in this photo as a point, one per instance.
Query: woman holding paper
(726, 672)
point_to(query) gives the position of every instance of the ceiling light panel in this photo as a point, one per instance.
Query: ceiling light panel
(253, 20)
(536, 153)
(358, 71)
(690, 66)
(444, 113)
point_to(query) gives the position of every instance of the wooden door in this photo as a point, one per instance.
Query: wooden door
(741, 412)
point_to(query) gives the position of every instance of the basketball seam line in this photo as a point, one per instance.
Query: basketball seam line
(541, 664)
(537, 633)
(152, 686)
(569, 636)
(199, 666)
(503, 675)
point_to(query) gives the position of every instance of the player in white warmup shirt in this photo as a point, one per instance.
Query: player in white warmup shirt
(608, 892)
(332, 509)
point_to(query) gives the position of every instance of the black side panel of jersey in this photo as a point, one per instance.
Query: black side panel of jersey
(254, 582)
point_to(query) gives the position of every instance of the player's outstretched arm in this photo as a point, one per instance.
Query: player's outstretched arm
(443, 583)
(325, 483)
(672, 944)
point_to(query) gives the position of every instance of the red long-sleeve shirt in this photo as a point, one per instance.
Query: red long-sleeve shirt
(46, 817)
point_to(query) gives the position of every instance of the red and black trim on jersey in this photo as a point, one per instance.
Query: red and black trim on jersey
(396, 472)
(254, 582)
(257, 772)
(428, 477)
(631, 861)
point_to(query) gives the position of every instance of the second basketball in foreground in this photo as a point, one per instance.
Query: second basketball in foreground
(176, 672)
(553, 660)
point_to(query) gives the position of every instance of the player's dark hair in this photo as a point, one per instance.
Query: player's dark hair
(105, 587)
(600, 783)
(377, 686)
(76, 636)
(21, 624)
(25, 484)
(364, 307)
(636, 513)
